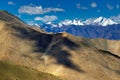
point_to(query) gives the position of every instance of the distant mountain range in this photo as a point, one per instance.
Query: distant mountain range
(100, 21)
(91, 28)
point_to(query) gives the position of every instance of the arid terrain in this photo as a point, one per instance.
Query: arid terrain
(61, 54)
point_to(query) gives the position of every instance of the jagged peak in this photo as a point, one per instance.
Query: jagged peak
(100, 21)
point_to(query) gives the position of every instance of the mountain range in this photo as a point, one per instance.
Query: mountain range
(91, 28)
(100, 21)
(60, 54)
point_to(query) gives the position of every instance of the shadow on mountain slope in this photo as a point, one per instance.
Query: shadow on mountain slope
(109, 53)
(43, 41)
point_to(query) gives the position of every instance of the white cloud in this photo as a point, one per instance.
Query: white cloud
(46, 18)
(37, 10)
(93, 4)
(11, 3)
(116, 18)
(81, 7)
(110, 7)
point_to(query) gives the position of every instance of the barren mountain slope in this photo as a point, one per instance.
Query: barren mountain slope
(9, 71)
(60, 54)
(107, 45)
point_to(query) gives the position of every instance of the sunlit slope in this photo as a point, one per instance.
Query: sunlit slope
(8, 71)
(61, 54)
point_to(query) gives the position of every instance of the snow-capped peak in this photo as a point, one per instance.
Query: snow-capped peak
(49, 23)
(101, 21)
(53, 25)
(72, 22)
(66, 22)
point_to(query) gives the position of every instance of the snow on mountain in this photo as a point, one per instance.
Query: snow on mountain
(71, 22)
(66, 23)
(101, 21)
(53, 25)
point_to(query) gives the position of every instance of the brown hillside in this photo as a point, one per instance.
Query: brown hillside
(60, 54)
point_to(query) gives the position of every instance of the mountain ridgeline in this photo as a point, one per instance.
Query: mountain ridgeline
(111, 32)
(60, 54)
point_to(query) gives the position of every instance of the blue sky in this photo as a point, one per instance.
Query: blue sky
(37, 11)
